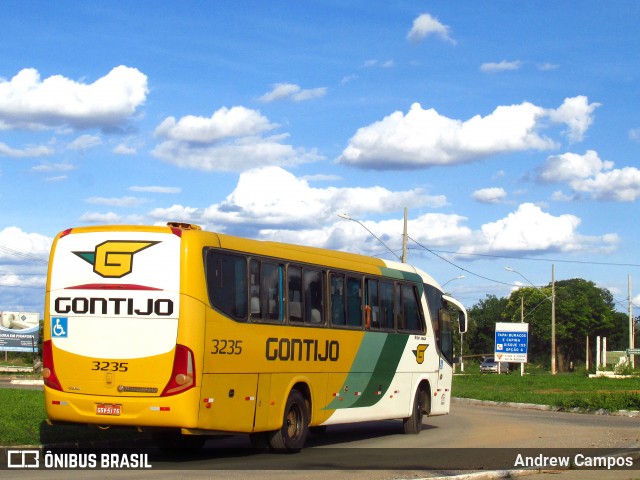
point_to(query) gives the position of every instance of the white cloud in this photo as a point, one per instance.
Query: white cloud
(223, 124)
(577, 114)
(230, 140)
(425, 25)
(109, 218)
(588, 174)
(502, 66)
(433, 229)
(531, 230)
(85, 142)
(489, 195)
(291, 91)
(124, 149)
(27, 102)
(528, 230)
(155, 189)
(54, 167)
(634, 134)
(271, 196)
(17, 246)
(37, 151)
(379, 63)
(545, 67)
(116, 202)
(423, 138)
(571, 166)
(177, 213)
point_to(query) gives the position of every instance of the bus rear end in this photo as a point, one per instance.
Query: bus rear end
(113, 352)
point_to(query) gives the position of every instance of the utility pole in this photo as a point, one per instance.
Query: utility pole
(553, 321)
(632, 358)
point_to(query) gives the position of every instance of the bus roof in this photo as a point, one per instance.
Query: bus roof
(274, 249)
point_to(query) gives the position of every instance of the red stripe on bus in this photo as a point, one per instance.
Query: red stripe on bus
(111, 286)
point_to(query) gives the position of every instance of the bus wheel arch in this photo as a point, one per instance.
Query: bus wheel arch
(421, 407)
(292, 435)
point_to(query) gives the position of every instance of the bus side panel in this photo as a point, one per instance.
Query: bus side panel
(391, 400)
(228, 402)
(441, 398)
(263, 407)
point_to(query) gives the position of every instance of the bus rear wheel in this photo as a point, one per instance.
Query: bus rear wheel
(421, 405)
(295, 425)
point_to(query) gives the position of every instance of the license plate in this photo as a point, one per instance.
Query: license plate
(105, 409)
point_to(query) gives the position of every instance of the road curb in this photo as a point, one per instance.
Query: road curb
(549, 408)
(485, 475)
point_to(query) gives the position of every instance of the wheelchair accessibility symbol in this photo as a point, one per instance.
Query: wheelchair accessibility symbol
(59, 327)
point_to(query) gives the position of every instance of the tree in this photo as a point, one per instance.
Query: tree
(582, 309)
(536, 305)
(483, 316)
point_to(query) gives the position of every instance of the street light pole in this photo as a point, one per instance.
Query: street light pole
(347, 217)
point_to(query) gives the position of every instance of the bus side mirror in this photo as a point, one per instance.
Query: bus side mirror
(462, 322)
(462, 312)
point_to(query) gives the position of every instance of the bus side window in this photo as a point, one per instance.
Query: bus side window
(254, 289)
(265, 291)
(385, 290)
(372, 302)
(313, 296)
(411, 312)
(338, 299)
(227, 283)
(354, 302)
(294, 293)
(271, 292)
(435, 303)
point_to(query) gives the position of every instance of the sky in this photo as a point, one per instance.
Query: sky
(509, 130)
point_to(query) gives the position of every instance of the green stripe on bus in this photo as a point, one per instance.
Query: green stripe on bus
(360, 373)
(384, 371)
(363, 387)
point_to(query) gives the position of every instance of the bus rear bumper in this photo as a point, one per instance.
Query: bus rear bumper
(178, 411)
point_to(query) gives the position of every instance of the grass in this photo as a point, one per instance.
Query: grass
(567, 391)
(22, 416)
(22, 422)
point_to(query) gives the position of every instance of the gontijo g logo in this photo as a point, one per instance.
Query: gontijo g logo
(114, 258)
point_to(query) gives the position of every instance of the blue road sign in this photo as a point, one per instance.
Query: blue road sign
(512, 340)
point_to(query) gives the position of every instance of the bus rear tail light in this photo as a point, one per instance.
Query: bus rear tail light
(183, 374)
(48, 370)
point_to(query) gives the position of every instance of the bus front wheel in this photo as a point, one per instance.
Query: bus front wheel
(413, 424)
(295, 425)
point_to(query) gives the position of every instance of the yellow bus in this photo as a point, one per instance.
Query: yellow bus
(189, 333)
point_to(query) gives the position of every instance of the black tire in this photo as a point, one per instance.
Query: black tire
(292, 436)
(421, 405)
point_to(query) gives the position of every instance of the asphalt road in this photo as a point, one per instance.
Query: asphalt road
(471, 436)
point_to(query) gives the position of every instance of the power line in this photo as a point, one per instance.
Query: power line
(458, 266)
(548, 260)
(24, 255)
(22, 286)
